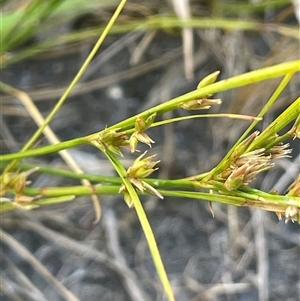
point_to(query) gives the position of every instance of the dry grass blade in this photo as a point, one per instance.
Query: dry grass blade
(261, 255)
(70, 245)
(109, 53)
(229, 288)
(141, 48)
(24, 253)
(182, 10)
(4, 289)
(22, 280)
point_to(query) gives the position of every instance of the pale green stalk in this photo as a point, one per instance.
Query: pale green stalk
(291, 113)
(266, 107)
(145, 226)
(234, 82)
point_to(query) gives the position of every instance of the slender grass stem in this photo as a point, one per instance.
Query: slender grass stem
(234, 82)
(145, 226)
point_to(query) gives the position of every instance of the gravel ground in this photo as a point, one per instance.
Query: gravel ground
(57, 253)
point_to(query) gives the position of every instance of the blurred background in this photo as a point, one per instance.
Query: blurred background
(240, 254)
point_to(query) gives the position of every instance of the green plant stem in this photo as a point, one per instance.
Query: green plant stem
(291, 113)
(223, 85)
(71, 190)
(69, 174)
(245, 192)
(44, 150)
(108, 180)
(275, 203)
(145, 226)
(6, 206)
(220, 115)
(264, 110)
(234, 82)
(246, 196)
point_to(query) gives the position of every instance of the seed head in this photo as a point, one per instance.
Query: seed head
(279, 151)
(140, 126)
(200, 104)
(142, 168)
(111, 140)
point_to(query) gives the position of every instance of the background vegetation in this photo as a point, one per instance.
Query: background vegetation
(154, 53)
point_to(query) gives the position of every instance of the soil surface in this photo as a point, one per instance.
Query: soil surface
(237, 255)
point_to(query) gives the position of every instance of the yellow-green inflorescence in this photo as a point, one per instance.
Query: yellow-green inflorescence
(141, 124)
(204, 102)
(141, 168)
(111, 140)
(15, 183)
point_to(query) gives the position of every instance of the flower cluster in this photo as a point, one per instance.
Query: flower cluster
(244, 169)
(14, 182)
(139, 134)
(141, 168)
(111, 140)
(242, 166)
(204, 102)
